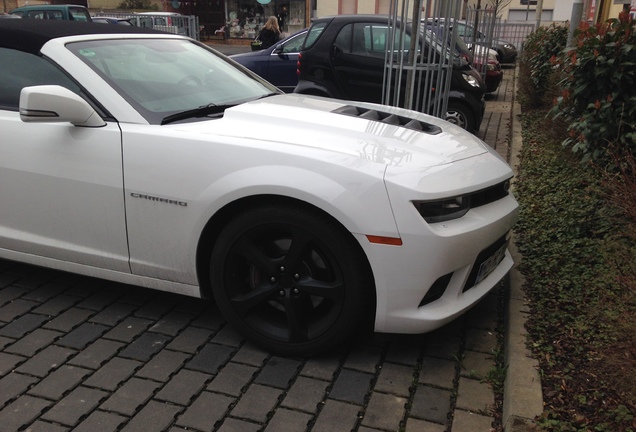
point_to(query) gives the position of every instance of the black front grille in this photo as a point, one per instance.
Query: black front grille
(388, 118)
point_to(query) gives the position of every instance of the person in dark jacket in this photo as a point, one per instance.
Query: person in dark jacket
(270, 33)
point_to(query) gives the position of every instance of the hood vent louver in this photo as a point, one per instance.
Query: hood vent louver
(388, 118)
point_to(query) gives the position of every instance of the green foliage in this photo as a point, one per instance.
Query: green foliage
(581, 318)
(138, 4)
(598, 100)
(540, 51)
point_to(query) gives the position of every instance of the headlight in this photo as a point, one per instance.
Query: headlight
(471, 80)
(509, 46)
(491, 67)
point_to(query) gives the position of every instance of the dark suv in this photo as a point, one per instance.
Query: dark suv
(344, 57)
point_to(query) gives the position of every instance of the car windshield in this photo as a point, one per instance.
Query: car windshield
(164, 77)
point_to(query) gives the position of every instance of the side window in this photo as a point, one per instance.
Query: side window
(78, 14)
(19, 69)
(312, 35)
(293, 45)
(343, 40)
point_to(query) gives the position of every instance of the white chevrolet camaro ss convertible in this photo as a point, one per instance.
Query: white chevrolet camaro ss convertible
(149, 159)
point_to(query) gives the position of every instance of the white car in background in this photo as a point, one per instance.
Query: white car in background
(148, 158)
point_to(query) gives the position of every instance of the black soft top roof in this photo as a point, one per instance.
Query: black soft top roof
(30, 34)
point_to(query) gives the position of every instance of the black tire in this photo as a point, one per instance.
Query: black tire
(290, 279)
(460, 115)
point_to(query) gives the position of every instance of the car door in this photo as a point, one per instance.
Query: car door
(357, 63)
(61, 186)
(282, 63)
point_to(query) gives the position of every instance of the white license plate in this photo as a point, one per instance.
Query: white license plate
(491, 263)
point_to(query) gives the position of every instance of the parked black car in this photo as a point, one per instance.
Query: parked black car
(344, 57)
(278, 63)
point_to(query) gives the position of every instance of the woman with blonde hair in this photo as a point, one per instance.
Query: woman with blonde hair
(270, 33)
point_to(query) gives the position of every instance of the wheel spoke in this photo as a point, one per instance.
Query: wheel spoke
(296, 310)
(331, 290)
(255, 256)
(244, 303)
(301, 240)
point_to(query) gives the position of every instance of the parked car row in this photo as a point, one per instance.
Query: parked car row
(154, 160)
(339, 59)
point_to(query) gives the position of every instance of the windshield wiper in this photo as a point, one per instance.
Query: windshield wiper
(202, 111)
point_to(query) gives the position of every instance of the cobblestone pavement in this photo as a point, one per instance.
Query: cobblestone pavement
(84, 354)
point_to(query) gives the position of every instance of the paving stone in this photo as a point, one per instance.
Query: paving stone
(46, 291)
(46, 360)
(190, 339)
(144, 347)
(59, 382)
(69, 319)
(9, 293)
(21, 412)
(395, 379)
(402, 353)
(337, 417)
(156, 308)
(74, 406)
(137, 296)
(351, 386)
(431, 404)
(205, 412)
(481, 340)
(385, 411)
(57, 305)
(323, 367)
(256, 403)
(113, 373)
(210, 319)
(96, 353)
(172, 323)
(464, 421)
(306, 394)
(8, 362)
(278, 372)
(473, 395)
(33, 342)
(210, 358)
(113, 314)
(228, 336)
(5, 341)
(13, 385)
(23, 325)
(415, 425)
(129, 329)
(288, 421)
(364, 358)
(163, 365)
(100, 421)
(235, 425)
(476, 365)
(16, 308)
(443, 345)
(99, 300)
(183, 387)
(437, 372)
(129, 397)
(41, 426)
(251, 355)
(83, 336)
(232, 378)
(155, 417)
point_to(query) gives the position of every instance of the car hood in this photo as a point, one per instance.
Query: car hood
(315, 123)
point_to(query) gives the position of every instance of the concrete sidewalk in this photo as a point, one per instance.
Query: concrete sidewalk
(85, 354)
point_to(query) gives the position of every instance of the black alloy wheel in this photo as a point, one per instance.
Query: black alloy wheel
(290, 279)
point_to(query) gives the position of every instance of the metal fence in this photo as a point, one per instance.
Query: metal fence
(419, 57)
(187, 25)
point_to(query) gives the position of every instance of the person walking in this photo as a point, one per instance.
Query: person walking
(270, 33)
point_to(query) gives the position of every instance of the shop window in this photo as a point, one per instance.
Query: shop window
(245, 18)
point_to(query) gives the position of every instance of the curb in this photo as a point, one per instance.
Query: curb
(523, 397)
